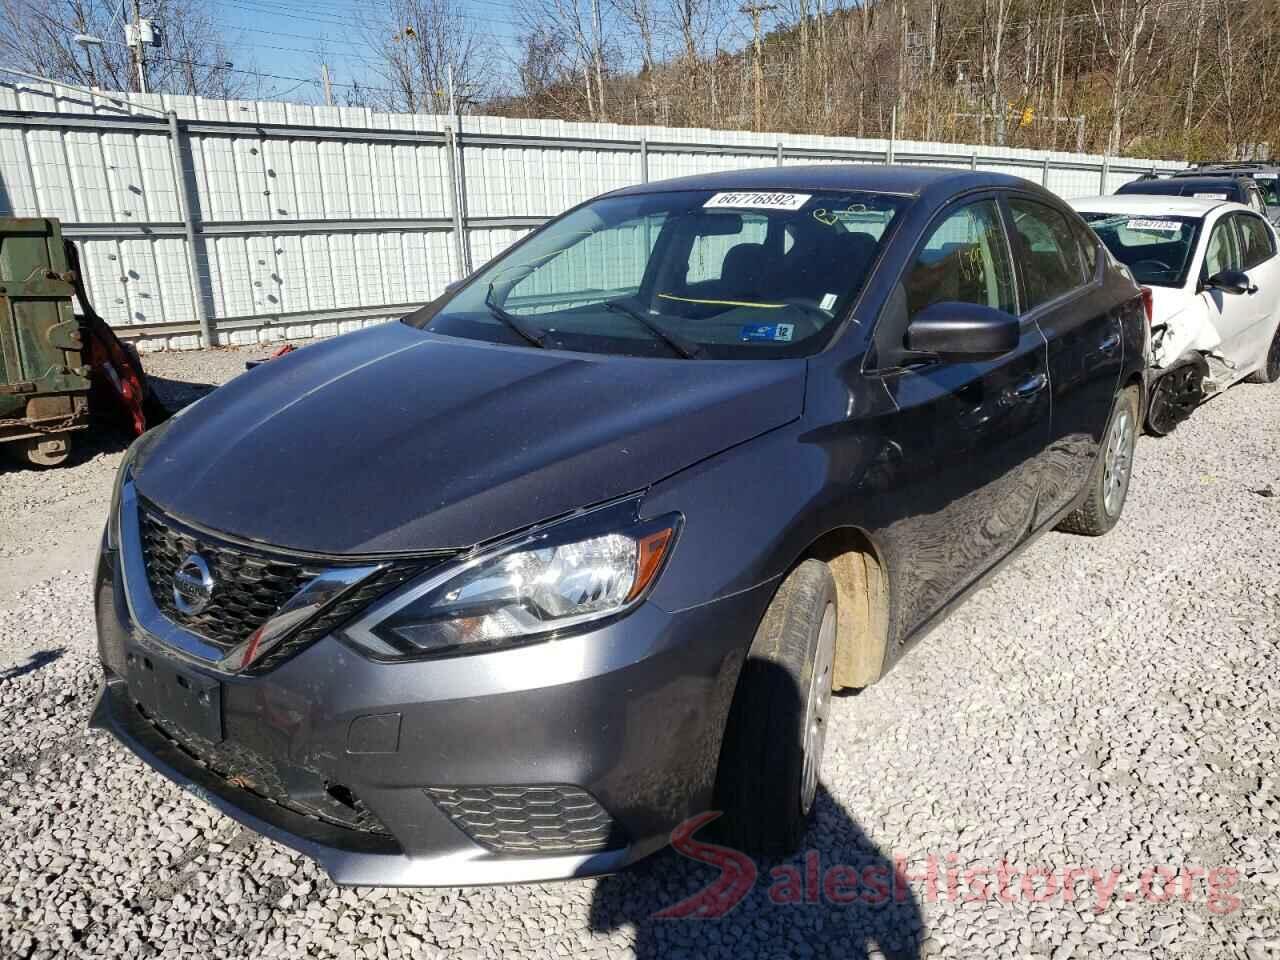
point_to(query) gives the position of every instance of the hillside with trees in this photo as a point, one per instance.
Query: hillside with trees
(1172, 78)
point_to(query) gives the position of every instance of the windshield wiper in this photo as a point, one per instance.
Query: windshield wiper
(685, 348)
(535, 336)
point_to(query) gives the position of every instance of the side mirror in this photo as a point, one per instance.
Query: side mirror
(1230, 281)
(963, 331)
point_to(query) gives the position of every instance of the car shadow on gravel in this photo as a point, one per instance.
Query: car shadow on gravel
(836, 897)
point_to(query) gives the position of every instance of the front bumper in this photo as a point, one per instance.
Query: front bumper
(630, 714)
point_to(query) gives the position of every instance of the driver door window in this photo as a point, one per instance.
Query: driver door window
(965, 260)
(1222, 253)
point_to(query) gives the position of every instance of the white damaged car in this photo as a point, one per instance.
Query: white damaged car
(1211, 277)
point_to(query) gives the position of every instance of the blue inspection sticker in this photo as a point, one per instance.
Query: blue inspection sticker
(770, 332)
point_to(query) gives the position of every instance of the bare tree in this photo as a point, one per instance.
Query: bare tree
(1121, 25)
(576, 30)
(38, 36)
(419, 46)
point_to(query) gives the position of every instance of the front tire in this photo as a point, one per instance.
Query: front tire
(772, 753)
(1108, 485)
(1176, 393)
(1269, 372)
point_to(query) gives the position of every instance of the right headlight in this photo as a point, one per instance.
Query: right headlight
(534, 587)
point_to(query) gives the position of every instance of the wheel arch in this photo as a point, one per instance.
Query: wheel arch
(863, 606)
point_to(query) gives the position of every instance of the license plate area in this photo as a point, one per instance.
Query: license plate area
(180, 696)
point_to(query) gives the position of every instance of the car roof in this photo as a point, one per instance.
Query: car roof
(1151, 204)
(1174, 185)
(871, 177)
(1242, 169)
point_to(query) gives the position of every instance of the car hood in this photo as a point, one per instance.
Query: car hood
(393, 439)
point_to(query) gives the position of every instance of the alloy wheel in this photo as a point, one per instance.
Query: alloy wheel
(1117, 462)
(817, 707)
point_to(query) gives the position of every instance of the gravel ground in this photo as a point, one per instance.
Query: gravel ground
(1105, 704)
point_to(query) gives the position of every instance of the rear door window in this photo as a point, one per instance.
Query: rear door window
(964, 260)
(1051, 262)
(1257, 242)
(1089, 248)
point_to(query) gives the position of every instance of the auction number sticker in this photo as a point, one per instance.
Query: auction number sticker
(758, 201)
(1211, 196)
(1155, 226)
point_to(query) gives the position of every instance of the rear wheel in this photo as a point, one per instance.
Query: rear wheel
(51, 450)
(772, 754)
(1269, 372)
(1108, 485)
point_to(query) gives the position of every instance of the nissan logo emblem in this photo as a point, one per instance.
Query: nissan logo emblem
(193, 585)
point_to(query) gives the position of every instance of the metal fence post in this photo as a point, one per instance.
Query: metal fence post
(780, 148)
(1105, 176)
(893, 136)
(188, 221)
(1044, 174)
(644, 159)
(454, 157)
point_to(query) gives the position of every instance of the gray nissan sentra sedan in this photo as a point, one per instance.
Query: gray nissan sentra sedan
(512, 588)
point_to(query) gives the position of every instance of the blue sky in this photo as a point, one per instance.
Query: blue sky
(280, 36)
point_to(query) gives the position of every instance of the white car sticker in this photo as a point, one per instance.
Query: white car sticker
(759, 201)
(1158, 226)
(1210, 196)
(828, 301)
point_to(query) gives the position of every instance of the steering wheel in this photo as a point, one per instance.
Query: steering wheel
(1157, 264)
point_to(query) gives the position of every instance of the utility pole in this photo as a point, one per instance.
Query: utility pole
(755, 9)
(140, 58)
(328, 90)
(597, 55)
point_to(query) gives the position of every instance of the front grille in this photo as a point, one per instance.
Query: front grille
(555, 818)
(252, 585)
(248, 770)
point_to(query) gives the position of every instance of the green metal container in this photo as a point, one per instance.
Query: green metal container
(44, 383)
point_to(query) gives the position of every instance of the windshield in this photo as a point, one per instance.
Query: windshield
(1157, 250)
(1270, 188)
(691, 274)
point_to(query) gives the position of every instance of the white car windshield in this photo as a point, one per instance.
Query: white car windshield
(695, 273)
(1156, 249)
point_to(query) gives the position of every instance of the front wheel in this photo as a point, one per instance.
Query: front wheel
(772, 753)
(1108, 484)
(1269, 372)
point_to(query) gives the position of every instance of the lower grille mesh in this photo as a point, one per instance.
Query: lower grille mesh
(245, 768)
(555, 818)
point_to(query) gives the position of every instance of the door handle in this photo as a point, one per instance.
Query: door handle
(1026, 390)
(1109, 345)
